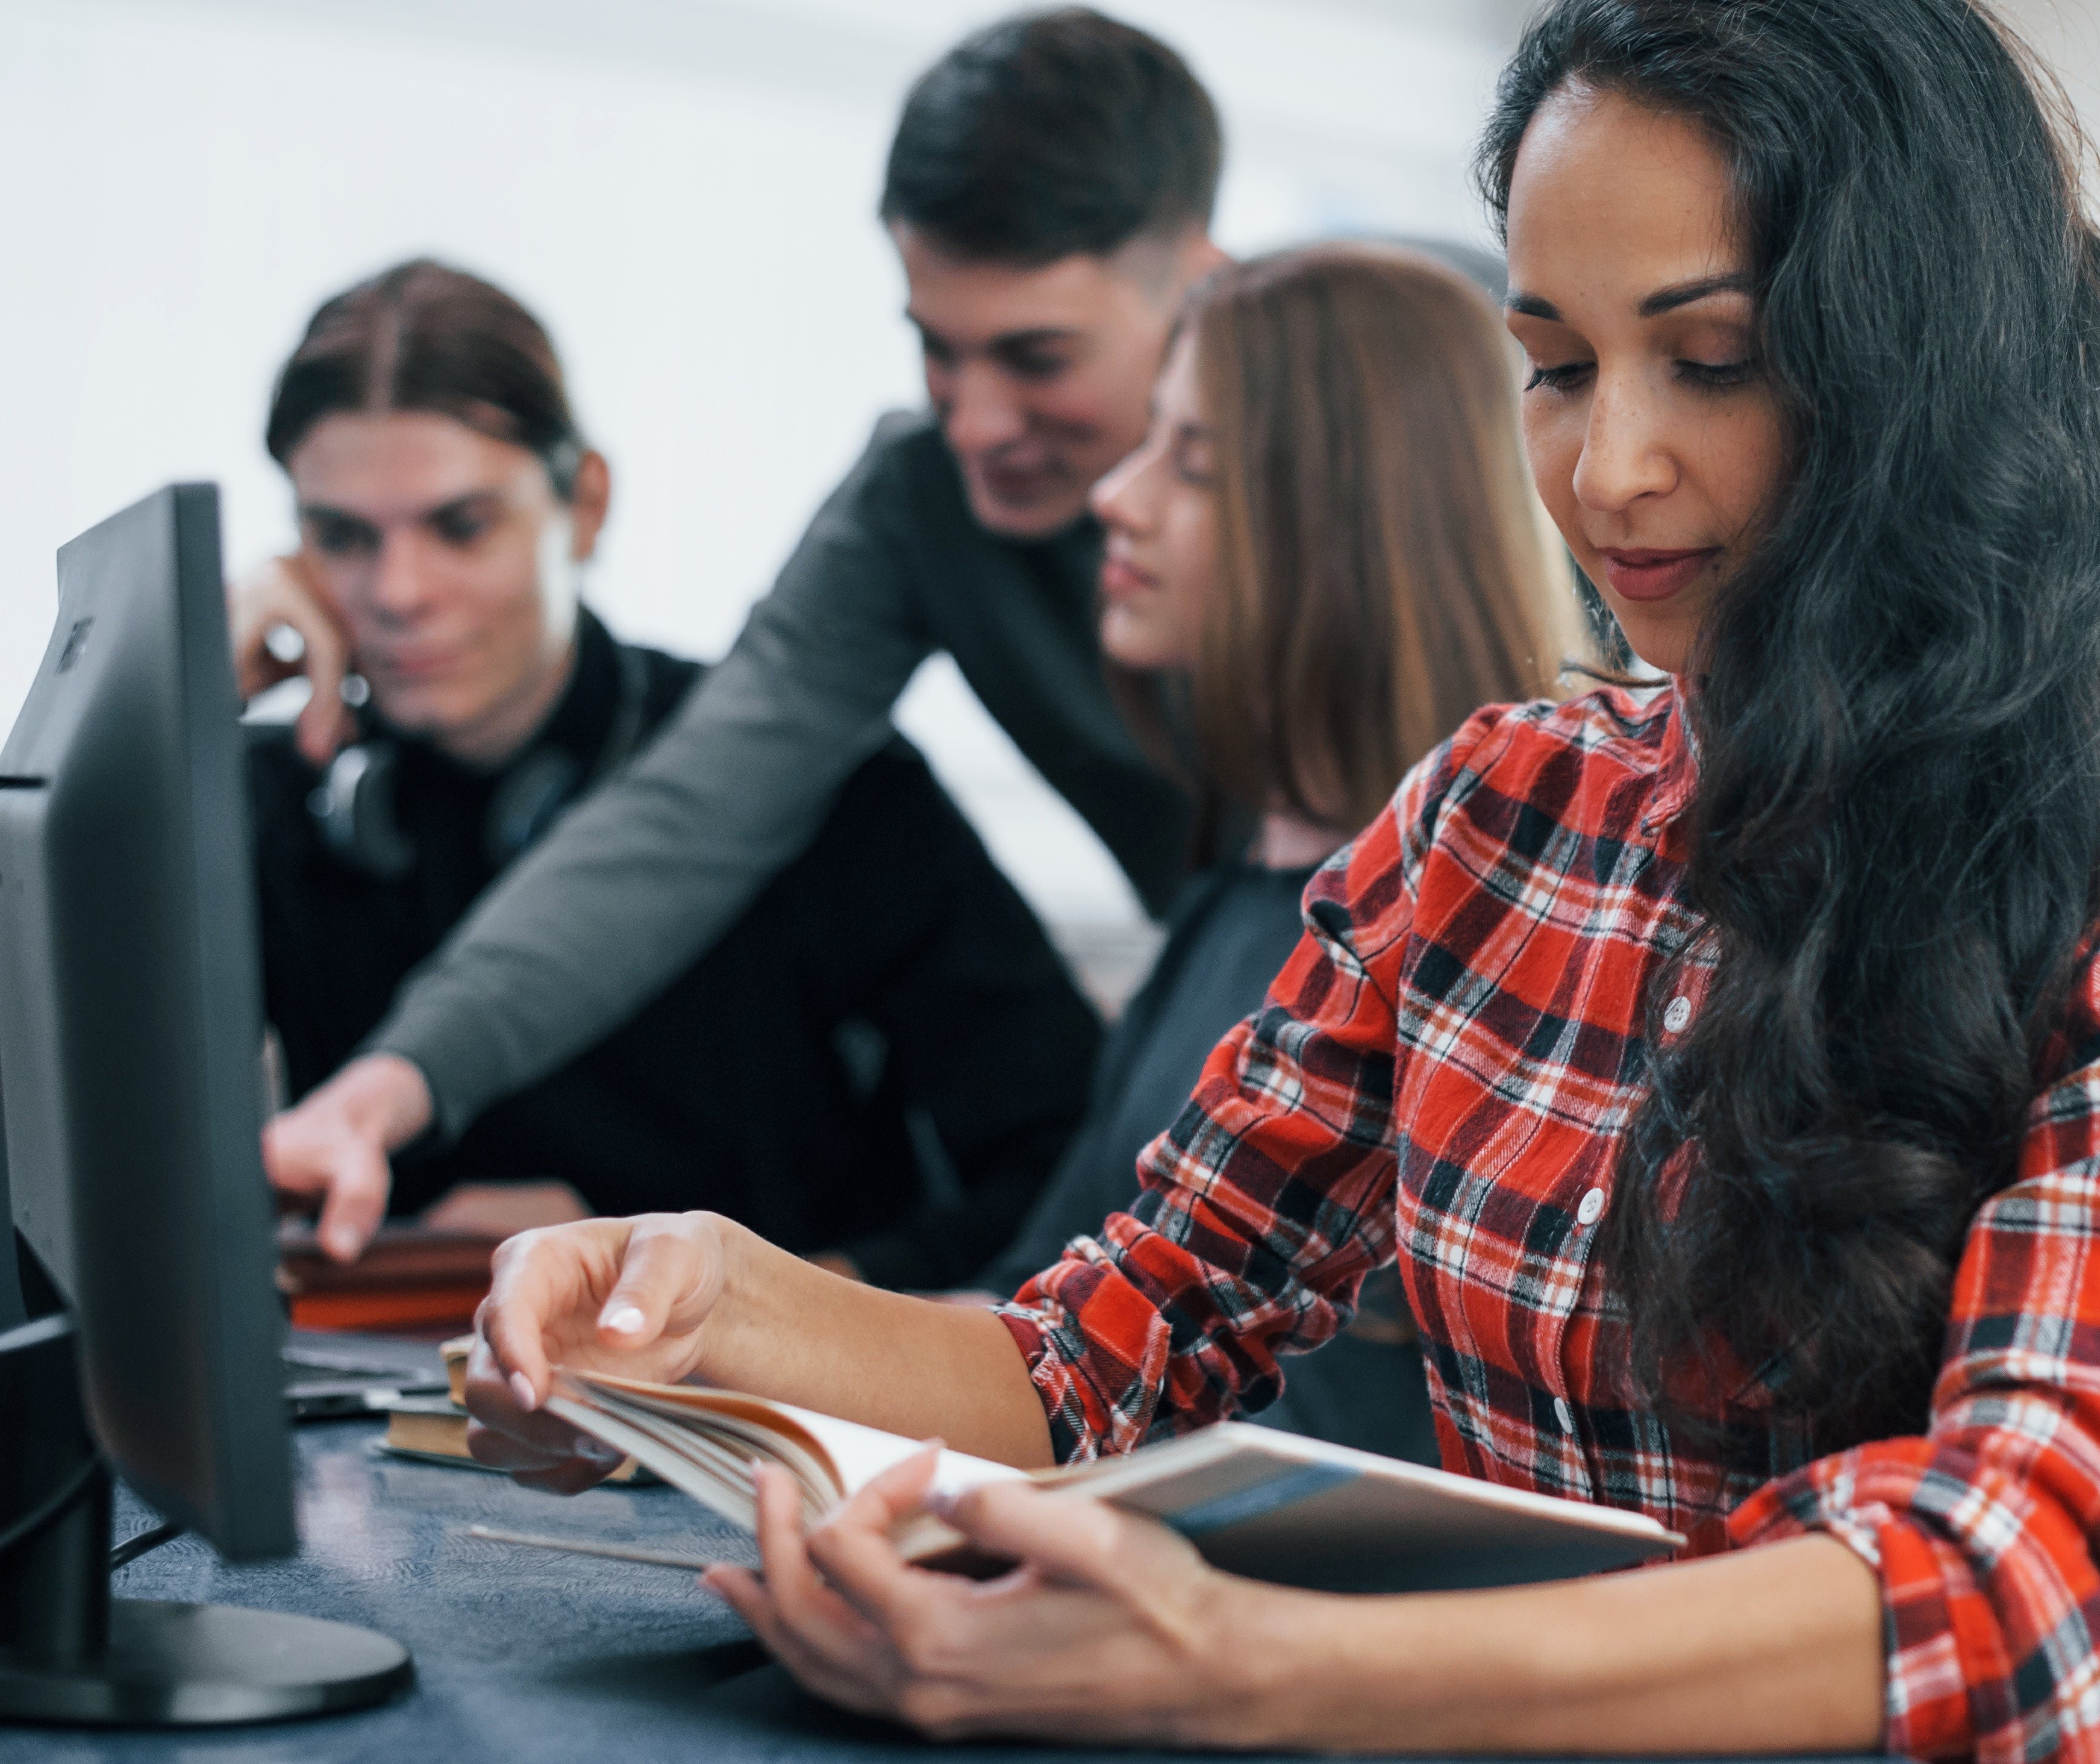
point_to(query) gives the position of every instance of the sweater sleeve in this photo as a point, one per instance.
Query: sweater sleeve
(1981, 1529)
(1269, 1200)
(642, 876)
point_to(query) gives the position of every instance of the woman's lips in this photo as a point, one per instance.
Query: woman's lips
(1654, 574)
(1121, 577)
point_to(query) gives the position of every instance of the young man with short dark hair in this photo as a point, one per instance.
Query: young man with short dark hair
(1049, 191)
(879, 1061)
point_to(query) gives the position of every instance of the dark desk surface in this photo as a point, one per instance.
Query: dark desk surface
(522, 1655)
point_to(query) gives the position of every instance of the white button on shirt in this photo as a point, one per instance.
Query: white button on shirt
(1591, 1208)
(1563, 1414)
(1677, 1015)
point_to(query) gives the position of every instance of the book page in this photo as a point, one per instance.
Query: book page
(679, 1469)
(860, 1455)
(855, 1455)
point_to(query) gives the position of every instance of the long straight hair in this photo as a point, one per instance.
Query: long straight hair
(1895, 834)
(1383, 568)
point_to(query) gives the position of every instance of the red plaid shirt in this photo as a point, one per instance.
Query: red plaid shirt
(1440, 1076)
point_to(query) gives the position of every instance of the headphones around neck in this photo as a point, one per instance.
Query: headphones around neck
(352, 807)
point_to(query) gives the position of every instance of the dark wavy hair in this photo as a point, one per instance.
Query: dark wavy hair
(1896, 831)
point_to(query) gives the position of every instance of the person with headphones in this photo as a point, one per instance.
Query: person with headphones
(841, 1070)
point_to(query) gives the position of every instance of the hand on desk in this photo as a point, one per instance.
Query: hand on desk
(332, 1147)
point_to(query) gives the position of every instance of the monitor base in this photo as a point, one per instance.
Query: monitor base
(178, 1665)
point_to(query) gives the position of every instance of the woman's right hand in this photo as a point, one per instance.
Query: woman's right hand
(626, 1295)
(284, 594)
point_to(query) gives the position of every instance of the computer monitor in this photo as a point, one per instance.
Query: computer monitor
(130, 1040)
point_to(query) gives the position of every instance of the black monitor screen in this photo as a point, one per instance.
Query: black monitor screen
(130, 1022)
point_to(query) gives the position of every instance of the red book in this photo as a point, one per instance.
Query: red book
(410, 1278)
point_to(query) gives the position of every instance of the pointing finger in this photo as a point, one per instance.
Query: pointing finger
(357, 1191)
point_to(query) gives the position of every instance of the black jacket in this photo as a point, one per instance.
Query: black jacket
(883, 1055)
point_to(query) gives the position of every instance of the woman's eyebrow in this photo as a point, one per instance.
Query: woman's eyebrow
(1685, 294)
(1661, 301)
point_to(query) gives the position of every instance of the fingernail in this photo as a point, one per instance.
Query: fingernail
(623, 1320)
(520, 1387)
(343, 1243)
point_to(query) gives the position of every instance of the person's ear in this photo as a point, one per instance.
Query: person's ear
(588, 504)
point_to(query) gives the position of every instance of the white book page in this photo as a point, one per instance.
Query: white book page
(861, 1454)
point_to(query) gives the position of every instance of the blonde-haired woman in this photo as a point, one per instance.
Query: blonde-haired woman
(1326, 555)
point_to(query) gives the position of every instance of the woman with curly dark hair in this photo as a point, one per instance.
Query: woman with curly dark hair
(1719, 1061)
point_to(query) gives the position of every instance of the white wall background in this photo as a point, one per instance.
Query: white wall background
(683, 189)
(2065, 34)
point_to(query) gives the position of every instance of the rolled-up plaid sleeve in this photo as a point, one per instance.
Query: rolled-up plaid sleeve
(1270, 1198)
(1982, 1531)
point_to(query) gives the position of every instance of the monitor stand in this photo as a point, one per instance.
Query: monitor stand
(70, 1653)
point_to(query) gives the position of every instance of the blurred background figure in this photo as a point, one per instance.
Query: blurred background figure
(879, 1061)
(1049, 192)
(688, 189)
(685, 191)
(1328, 551)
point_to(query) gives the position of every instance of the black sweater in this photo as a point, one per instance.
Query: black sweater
(884, 1056)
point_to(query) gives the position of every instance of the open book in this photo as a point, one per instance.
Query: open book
(1271, 1506)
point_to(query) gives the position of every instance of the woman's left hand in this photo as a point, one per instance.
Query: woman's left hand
(1111, 1628)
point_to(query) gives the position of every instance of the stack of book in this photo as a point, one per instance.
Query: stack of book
(411, 1280)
